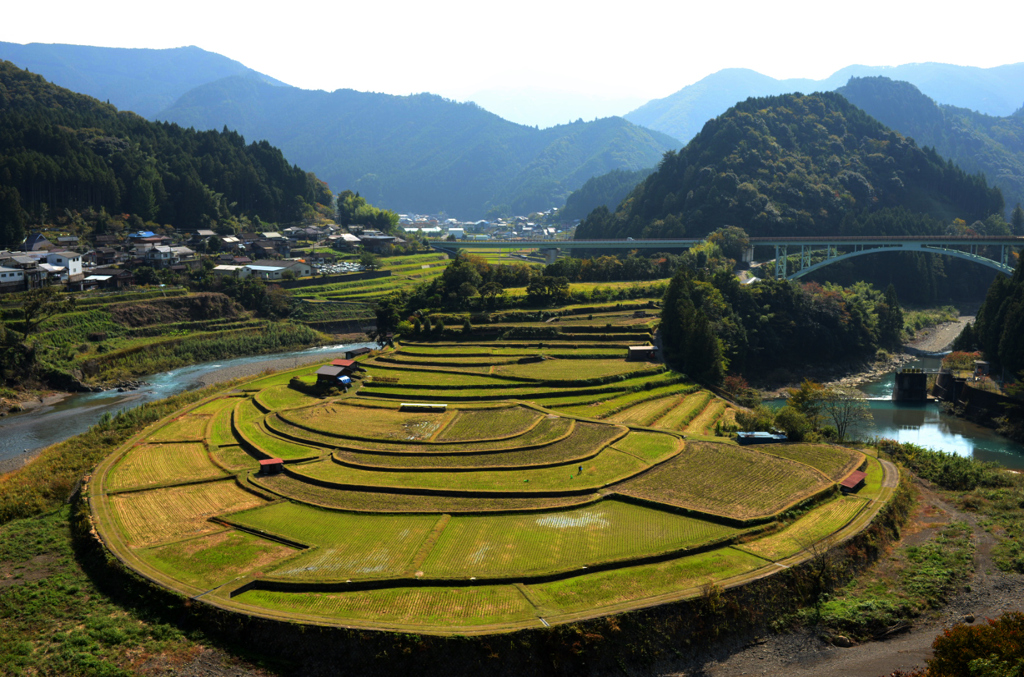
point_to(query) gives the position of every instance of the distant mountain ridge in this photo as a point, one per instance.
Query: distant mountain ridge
(995, 91)
(144, 81)
(796, 165)
(421, 152)
(974, 141)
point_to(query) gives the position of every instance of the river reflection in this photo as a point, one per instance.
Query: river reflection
(929, 426)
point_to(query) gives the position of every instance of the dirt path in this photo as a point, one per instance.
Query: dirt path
(940, 337)
(990, 593)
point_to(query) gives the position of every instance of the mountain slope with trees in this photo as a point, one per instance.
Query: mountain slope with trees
(61, 150)
(144, 81)
(607, 190)
(974, 141)
(797, 165)
(994, 91)
(422, 152)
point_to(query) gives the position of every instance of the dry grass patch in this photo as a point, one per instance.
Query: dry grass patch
(152, 464)
(721, 479)
(148, 517)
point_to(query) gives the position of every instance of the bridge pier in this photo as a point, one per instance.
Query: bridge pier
(550, 255)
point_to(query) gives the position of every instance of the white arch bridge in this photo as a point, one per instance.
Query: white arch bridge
(814, 252)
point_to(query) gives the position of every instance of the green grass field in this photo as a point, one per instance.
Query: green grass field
(512, 545)
(817, 524)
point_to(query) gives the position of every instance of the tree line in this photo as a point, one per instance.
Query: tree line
(65, 151)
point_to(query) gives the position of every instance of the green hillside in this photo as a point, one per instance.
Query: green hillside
(974, 141)
(61, 150)
(606, 190)
(422, 152)
(798, 165)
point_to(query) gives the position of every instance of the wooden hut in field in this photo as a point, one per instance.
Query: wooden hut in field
(853, 483)
(271, 466)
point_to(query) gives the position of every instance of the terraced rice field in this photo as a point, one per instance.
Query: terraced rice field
(834, 462)
(727, 481)
(556, 489)
(209, 560)
(155, 464)
(521, 545)
(336, 418)
(607, 467)
(346, 545)
(476, 424)
(817, 524)
(416, 607)
(147, 517)
(547, 431)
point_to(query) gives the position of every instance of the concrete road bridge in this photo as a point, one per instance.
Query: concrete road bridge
(794, 256)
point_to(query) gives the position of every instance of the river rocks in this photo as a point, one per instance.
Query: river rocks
(126, 386)
(842, 642)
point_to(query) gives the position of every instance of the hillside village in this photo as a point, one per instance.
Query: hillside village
(111, 262)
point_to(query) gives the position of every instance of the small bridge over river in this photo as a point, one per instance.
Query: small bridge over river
(794, 256)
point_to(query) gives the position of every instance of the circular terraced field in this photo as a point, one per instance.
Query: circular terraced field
(465, 518)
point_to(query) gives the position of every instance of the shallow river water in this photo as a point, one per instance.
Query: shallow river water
(48, 425)
(928, 426)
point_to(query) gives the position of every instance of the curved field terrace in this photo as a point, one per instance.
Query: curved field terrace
(542, 487)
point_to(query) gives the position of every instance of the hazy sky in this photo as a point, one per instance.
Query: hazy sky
(610, 55)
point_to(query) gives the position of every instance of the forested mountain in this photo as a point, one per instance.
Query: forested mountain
(995, 91)
(607, 190)
(974, 141)
(144, 81)
(798, 165)
(61, 150)
(422, 152)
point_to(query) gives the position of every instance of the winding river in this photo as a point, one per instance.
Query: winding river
(46, 425)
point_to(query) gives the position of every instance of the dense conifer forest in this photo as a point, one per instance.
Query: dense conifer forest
(61, 150)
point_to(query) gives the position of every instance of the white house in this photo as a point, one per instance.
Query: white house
(70, 261)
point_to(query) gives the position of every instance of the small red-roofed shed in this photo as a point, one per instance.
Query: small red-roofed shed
(853, 483)
(271, 466)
